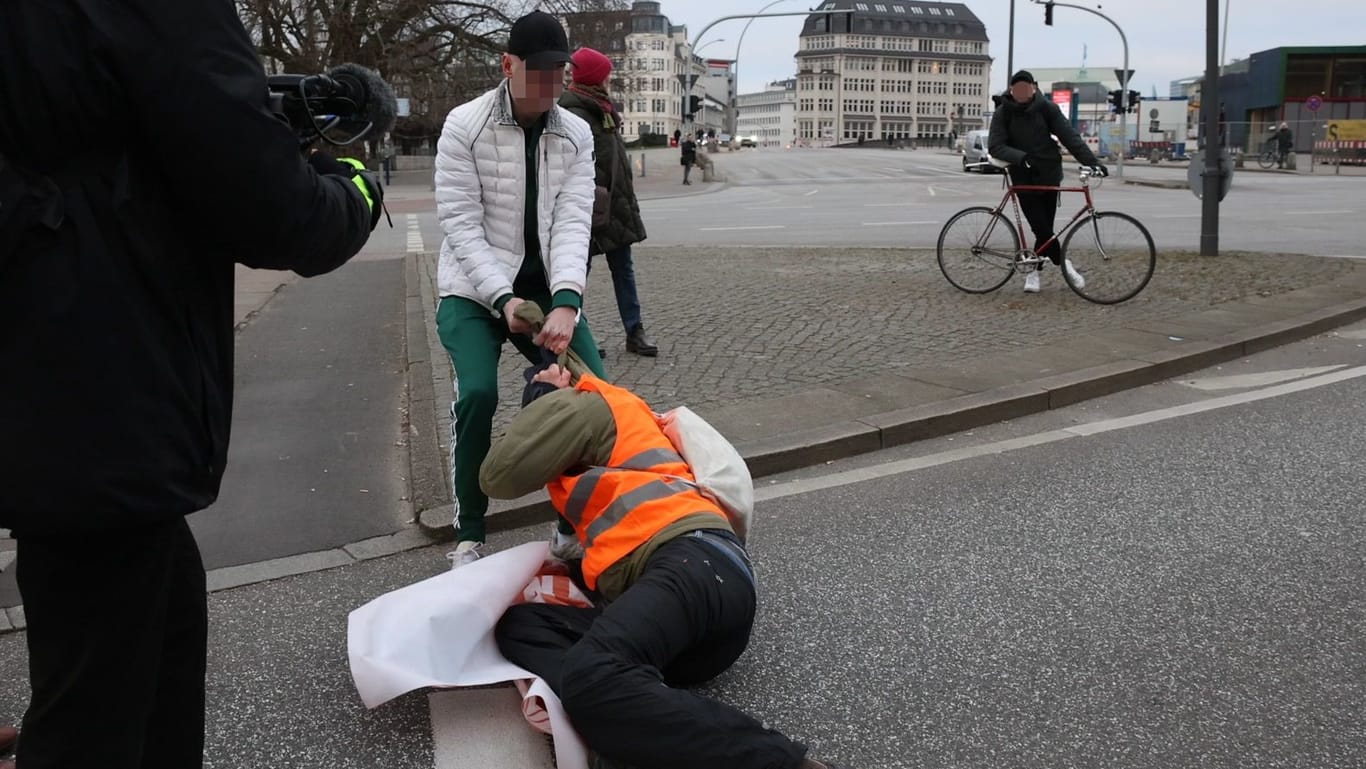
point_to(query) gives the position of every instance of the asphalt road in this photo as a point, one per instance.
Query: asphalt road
(1167, 577)
(902, 198)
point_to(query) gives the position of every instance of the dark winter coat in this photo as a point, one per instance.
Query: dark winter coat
(1026, 131)
(613, 172)
(140, 163)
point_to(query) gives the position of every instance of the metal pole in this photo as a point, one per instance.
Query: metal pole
(1223, 55)
(1214, 149)
(1123, 84)
(735, 106)
(1010, 46)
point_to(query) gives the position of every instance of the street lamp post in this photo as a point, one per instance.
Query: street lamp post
(703, 117)
(735, 107)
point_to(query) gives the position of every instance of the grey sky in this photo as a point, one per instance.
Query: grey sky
(1166, 37)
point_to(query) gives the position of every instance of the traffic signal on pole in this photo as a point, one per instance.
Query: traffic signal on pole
(1134, 97)
(694, 104)
(1048, 14)
(1116, 101)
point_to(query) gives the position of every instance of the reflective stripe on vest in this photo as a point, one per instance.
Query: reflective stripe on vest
(645, 487)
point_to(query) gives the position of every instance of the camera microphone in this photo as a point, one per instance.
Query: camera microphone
(349, 97)
(372, 95)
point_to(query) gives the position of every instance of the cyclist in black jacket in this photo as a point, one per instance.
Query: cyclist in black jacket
(138, 162)
(1022, 131)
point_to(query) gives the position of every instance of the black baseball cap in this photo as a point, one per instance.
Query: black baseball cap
(538, 39)
(1023, 76)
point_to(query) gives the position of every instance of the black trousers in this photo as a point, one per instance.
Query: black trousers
(117, 630)
(615, 670)
(1040, 209)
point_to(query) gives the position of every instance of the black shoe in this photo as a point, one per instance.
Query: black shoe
(640, 343)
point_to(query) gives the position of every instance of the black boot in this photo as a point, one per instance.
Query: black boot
(640, 343)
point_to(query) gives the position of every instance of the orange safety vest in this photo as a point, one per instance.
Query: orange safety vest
(644, 487)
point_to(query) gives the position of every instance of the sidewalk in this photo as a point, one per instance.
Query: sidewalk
(804, 355)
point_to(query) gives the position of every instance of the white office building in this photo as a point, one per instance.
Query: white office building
(770, 116)
(892, 70)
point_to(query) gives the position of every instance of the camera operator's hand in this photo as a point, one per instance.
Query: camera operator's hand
(366, 181)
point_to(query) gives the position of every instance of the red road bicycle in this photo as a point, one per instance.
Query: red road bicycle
(979, 250)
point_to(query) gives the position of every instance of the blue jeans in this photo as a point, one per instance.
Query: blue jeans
(624, 285)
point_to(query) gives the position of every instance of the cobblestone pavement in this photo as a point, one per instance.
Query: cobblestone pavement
(739, 328)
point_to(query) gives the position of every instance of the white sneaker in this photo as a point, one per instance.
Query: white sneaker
(1032, 282)
(464, 553)
(1073, 275)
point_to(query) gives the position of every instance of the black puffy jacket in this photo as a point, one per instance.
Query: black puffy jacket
(140, 162)
(1027, 130)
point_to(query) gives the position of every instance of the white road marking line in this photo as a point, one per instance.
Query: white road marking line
(755, 227)
(1262, 379)
(415, 245)
(1314, 213)
(894, 224)
(882, 205)
(932, 192)
(845, 478)
(781, 208)
(812, 192)
(1174, 216)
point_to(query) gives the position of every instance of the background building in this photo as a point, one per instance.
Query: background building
(652, 60)
(769, 115)
(897, 69)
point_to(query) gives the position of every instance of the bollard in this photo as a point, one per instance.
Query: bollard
(1290, 161)
(642, 164)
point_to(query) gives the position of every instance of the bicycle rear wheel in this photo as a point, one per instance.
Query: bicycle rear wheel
(977, 249)
(1267, 159)
(1114, 254)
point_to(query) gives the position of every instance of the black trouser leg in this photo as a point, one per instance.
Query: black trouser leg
(1040, 210)
(117, 628)
(684, 621)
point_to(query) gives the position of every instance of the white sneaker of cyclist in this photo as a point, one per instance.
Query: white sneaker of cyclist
(1073, 275)
(1032, 282)
(464, 553)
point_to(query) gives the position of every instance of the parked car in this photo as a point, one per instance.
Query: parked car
(749, 141)
(975, 152)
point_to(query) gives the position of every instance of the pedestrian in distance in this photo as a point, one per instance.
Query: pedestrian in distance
(588, 98)
(688, 157)
(1285, 144)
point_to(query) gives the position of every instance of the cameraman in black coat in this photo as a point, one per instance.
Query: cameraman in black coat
(138, 162)
(1022, 131)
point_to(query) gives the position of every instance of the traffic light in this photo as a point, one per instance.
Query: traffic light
(694, 104)
(1048, 14)
(1134, 97)
(1116, 101)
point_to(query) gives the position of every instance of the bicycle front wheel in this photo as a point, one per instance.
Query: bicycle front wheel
(1266, 159)
(1114, 255)
(977, 249)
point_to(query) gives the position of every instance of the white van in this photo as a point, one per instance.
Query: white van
(975, 151)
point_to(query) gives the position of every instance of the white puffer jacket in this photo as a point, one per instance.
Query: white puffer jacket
(481, 196)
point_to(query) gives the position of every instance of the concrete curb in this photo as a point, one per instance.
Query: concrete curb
(427, 486)
(807, 448)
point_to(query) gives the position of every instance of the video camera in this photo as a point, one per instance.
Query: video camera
(349, 100)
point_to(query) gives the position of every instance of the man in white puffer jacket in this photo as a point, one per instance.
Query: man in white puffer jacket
(514, 194)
